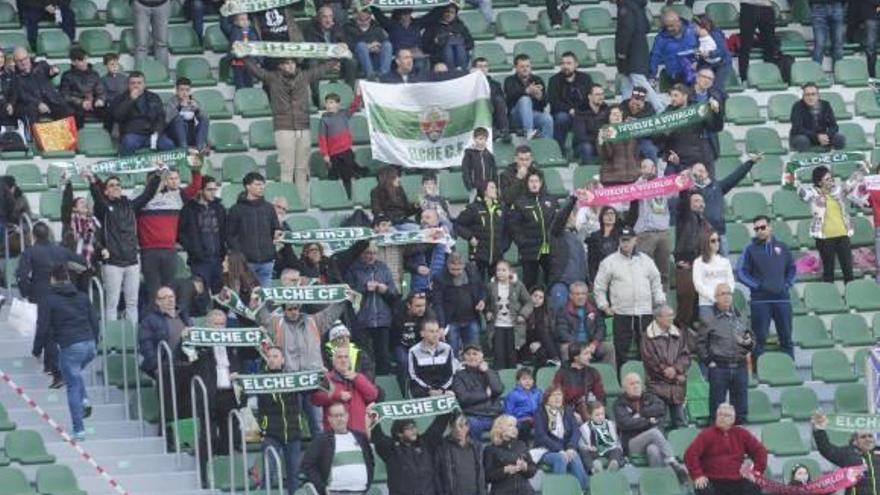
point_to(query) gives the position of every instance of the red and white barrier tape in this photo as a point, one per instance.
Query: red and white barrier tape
(67, 438)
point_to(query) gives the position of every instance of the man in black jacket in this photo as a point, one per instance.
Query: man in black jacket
(202, 233)
(406, 324)
(141, 117)
(279, 422)
(690, 228)
(82, 88)
(324, 28)
(813, 123)
(635, 108)
(478, 390)
(587, 122)
(861, 451)
(252, 228)
(567, 93)
(530, 223)
(500, 120)
(408, 455)
(513, 178)
(403, 72)
(526, 99)
(340, 460)
(631, 47)
(688, 145)
(33, 95)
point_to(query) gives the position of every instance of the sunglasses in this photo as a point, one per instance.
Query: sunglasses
(760, 228)
(638, 96)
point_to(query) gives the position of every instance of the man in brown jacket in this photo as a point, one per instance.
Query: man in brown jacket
(666, 358)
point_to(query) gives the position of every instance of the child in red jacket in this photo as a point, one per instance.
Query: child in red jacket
(334, 140)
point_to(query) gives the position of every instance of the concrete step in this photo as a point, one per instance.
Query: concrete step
(135, 464)
(101, 449)
(47, 397)
(11, 347)
(22, 361)
(26, 418)
(103, 430)
(145, 483)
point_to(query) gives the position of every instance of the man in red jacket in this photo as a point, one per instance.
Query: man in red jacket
(715, 457)
(351, 388)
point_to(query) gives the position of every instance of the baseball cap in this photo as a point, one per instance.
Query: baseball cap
(626, 232)
(472, 347)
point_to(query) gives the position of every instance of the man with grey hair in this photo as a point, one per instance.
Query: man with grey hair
(666, 358)
(860, 451)
(578, 320)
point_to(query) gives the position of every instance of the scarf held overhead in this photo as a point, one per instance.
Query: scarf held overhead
(403, 4)
(289, 49)
(232, 7)
(136, 164)
(834, 159)
(272, 383)
(225, 337)
(337, 240)
(656, 124)
(414, 408)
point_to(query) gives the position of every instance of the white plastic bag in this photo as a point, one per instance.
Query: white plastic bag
(23, 317)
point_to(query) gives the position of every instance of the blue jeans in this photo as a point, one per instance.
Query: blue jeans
(401, 357)
(575, 467)
(629, 81)
(562, 123)
(372, 62)
(871, 26)
(263, 271)
(558, 295)
(780, 313)
(828, 20)
(73, 359)
(211, 271)
(586, 153)
(130, 143)
(485, 7)
(705, 312)
(455, 56)
(524, 116)
(734, 380)
(197, 11)
(462, 334)
(312, 413)
(290, 453)
(407, 227)
(185, 133)
(478, 426)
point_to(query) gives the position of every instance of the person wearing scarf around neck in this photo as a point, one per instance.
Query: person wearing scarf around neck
(78, 224)
(556, 430)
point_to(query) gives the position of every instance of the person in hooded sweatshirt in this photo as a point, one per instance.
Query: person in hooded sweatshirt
(252, 226)
(478, 163)
(70, 319)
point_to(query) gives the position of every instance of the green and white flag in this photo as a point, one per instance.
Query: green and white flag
(414, 408)
(232, 7)
(344, 234)
(307, 294)
(855, 423)
(289, 49)
(272, 383)
(403, 4)
(426, 125)
(655, 124)
(830, 160)
(226, 337)
(235, 304)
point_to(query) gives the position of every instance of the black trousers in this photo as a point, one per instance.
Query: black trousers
(500, 119)
(530, 270)
(626, 330)
(504, 348)
(835, 247)
(762, 19)
(378, 342)
(219, 406)
(344, 166)
(725, 487)
(158, 267)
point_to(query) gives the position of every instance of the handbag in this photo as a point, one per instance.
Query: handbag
(23, 317)
(58, 135)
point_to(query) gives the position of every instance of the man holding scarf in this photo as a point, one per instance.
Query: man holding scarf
(860, 451)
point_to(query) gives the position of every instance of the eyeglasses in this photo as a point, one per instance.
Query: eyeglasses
(760, 228)
(638, 96)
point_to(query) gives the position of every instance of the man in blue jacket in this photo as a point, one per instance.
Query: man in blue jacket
(674, 48)
(767, 268)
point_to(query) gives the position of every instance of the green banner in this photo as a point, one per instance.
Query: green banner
(139, 163)
(308, 294)
(424, 236)
(225, 337)
(345, 234)
(288, 49)
(235, 304)
(655, 124)
(854, 423)
(830, 160)
(414, 408)
(403, 4)
(272, 383)
(232, 7)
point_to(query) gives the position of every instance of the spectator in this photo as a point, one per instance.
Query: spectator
(508, 306)
(457, 462)
(409, 457)
(252, 228)
(151, 20)
(7, 117)
(478, 163)
(339, 337)
(556, 431)
(650, 220)
(665, 354)
(20, 205)
(620, 163)
(713, 192)
(426, 261)
(723, 345)
(162, 323)
(115, 83)
(799, 475)
(588, 121)
(530, 222)
(392, 256)
(478, 390)
(526, 99)
(874, 203)
(140, 116)
(119, 240)
(860, 452)
(506, 460)
(404, 70)
(448, 39)
(79, 226)
(70, 320)
(578, 321)
(58, 13)
(458, 299)
(569, 261)
(335, 141)
(639, 417)
(314, 264)
(197, 9)
(599, 440)
(186, 125)
(239, 278)
(193, 297)
(33, 96)
(704, 91)
(867, 12)
(202, 233)
(634, 108)
(406, 326)
(82, 89)
(405, 33)
(371, 277)
(674, 49)
(348, 386)
(513, 179)
(432, 365)
(324, 28)
(539, 347)
(369, 43)
(339, 459)
(388, 199)
(831, 225)
(566, 94)
(523, 402)
(716, 455)
(500, 120)
(712, 52)
(579, 381)
(756, 15)
(243, 32)
(631, 49)
(689, 229)
(813, 123)
(828, 21)
(710, 268)
(278, 416)
(430, 198)
(627, 287)
(685, 146)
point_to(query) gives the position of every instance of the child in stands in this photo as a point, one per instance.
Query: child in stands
(335, 141)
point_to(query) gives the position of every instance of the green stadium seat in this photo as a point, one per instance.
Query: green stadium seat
(809, 332)
(837, 105)
(95, 142)
(494, 53)
(226, 138)
(851, 73)
(360, 190)
(804, 71)
(848, 398)
(53, 43)
(856, 140)
(777, 369)
(303, 222)
(86, 13)
(659, 481)
(50, 205)
(178, 16)
(287, 191)
(609, 482)
(119, 335)
(360, 130)
(340, 88)
(235, 167)
(783, 440)
(197, 70)
(788, 205)
(832, 366)
(389, 385)
(149, 404)
(600, 79)
(811, 464)
(329, 195)
(797, 304)
(514, 24)
(123, 373)
(544, 376)
(576, 46)
(584, 174)
(680, 439)
(748, 204)
(477, 25)
(743, 110)
(823, 298)
(261, 134)
(561, 484)
(26, 447)
(800, 12)
(596, 20)
(737, 237)
(507, 375)
(452, 187)
(859, 360)
(215, 40)
(119, 12)
(765, 76)
(723, 14)
(779, 107)
(605, 53)
(760, 409)
(156, 75)
(252, 102)
(782, 232)
(8, 17)
(863, 234)
(6, 424)
(96, 42)
(547, 153)
(768, 170)
(126, 41)
(14, 482)
(863, 295)
(9, 40)
(851, 330)
(727, 145)
(546, 28)
(866, 104)
(219, 466)
(764, 139)
(553, 182)
(793, 43)
(609, 378)
(27, 177)
(212, 102)
(734, 84)
(57, 480)
(536, 52)
(798, 403)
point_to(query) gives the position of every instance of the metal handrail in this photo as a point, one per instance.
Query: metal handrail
(6, 264)
(26, 219)
(278, 466)
(161, 350)
(95, 283)
(235, 414)
(125, 372)
(137, 385)
(196, 439)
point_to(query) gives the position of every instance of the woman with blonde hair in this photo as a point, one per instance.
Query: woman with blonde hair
(506, 461)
